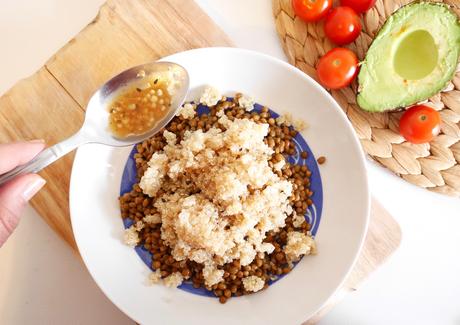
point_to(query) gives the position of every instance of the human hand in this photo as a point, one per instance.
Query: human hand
(15, 194)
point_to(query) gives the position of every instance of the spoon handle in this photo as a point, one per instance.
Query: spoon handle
(45, 158)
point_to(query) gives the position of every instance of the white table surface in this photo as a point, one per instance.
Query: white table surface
(43, 282)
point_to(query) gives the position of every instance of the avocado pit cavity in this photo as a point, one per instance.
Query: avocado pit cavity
(416, 56)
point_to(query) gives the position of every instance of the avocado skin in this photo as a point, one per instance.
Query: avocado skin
(410, 92)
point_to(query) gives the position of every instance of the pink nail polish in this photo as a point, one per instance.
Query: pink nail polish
(32, 188)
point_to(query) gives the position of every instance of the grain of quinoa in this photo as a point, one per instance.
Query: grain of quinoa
(140, 208)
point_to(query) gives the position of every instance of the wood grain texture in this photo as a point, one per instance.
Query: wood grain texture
(382, 240)
(38, 108)
(51, 103)
(128, 33)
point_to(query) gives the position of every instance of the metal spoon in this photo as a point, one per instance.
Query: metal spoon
(95, 127)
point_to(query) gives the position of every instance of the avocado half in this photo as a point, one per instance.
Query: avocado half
(413, 57)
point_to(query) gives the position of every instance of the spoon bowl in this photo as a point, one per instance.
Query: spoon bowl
(95, 128)
(97, 111)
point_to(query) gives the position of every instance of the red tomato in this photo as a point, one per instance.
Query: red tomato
(311, 10)
(337, 68)
(342, 25)
(419, 124)
(359, 6)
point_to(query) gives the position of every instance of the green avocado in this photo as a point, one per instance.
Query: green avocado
(413, 57)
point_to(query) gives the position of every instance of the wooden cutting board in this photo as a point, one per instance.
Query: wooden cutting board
(51, 103)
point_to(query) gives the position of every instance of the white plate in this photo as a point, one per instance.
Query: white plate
(122, 275)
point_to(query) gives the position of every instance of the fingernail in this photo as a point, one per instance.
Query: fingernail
(37, 141)
(32, 188)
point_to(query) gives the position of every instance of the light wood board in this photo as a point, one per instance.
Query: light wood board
(51, 103)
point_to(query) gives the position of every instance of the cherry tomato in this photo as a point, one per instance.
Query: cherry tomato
(311, 10)
(337, 68)
(419, 124)
(342, 25)
(359, 6)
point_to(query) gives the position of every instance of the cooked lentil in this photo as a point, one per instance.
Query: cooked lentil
(139, 207)
(321, 160)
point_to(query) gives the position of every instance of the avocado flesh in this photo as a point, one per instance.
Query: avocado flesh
(413, 57)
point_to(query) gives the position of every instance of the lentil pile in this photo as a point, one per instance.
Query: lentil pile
(236, 277)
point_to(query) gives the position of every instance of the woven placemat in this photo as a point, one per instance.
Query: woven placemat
(434, 165)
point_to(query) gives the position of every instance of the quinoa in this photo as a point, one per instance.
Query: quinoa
(246, 102)
(298, 244)
(218, 203)
(155, 277)
(152, 218)
(299, 124)
(210, 96)
(174, 280)
(298, 220)
(253, 283)
(187, 111)
(223, 221)
(287, 120)
(131, 237)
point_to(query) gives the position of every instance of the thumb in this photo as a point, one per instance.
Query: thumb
(14, 195)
